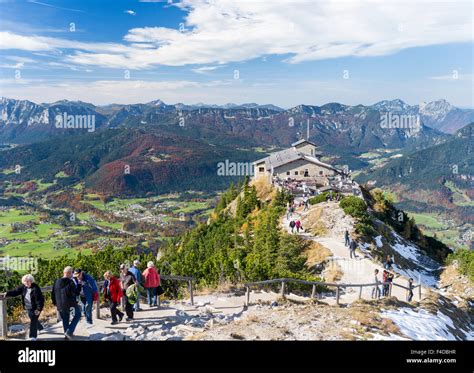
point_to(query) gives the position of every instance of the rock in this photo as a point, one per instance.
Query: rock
(17, 328)
(114, 337)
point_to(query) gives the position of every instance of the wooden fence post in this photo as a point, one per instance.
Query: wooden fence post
(191, 292)
(247, 296)
(97, 308)
(313, 293)
(3, 318)
(282, 290)
(337, 295)
(390, 289)
(419, 291)
(360, 292)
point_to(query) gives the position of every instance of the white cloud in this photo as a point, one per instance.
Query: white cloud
(131, 12)
(205, 69)
(224, 31)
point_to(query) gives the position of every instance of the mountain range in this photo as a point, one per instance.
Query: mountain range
(355, 128)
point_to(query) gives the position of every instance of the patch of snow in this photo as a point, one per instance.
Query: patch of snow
(378, 241)
(422, 325)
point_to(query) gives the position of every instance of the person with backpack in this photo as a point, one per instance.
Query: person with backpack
(32, 300)
(292, 225)
(346, 238)
(410, 290)
(138, 276)
(152, 281)
(352, 248)
(298, 225)
(376, 289)
(127, 279)
(113, 294)
(89, 292)
(64, 296)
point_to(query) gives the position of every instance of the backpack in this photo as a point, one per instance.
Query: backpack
(292, 224)
(132, 293)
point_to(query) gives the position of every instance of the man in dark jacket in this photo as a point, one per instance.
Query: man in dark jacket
(346, 238)
(88, 292)
(32, 300)
(127, 279)
(64, 296)
(352, 248)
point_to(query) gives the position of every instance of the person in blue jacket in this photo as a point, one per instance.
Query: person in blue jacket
(89, 292)
(138, 275)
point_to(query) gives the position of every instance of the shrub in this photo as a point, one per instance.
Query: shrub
(318, 199)
(354, 206)
(465, 258)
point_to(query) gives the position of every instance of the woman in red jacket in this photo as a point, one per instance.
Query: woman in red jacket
(113, 293)
(152, 281)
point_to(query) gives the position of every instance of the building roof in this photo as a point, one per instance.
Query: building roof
(302, 141)
(277, 159)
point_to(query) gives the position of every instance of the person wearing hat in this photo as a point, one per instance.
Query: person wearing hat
(127, 279)
(138, 276)
(89, 292)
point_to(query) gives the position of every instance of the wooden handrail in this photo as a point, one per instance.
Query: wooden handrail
(283, 281)
(329, 284)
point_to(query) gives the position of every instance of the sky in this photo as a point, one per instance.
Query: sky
(229, 51)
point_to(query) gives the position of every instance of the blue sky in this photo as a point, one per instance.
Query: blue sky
(220, 51)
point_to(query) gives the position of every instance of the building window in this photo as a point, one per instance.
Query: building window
(261, 169)
(320, 173)
(296, 172)
(288, 173)
(306, 173)
(312, 151)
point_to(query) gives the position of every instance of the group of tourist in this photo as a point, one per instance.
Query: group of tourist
(295, 224)
(381, 288)
(76, 291)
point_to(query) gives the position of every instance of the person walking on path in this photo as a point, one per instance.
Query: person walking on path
(388, 263)
(152, 281)
(89, 292)
(352, 248)
(32, 300)
(138, 276)
(410, 290)
(292, 225)
(376, 289)
(346, 238)
(298, 225)
(127, 279)
(64, 296)
(113, 294)
(306, 203)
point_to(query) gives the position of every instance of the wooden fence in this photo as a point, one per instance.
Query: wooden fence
(314, 284)
(100, 284)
